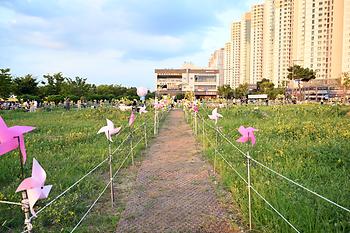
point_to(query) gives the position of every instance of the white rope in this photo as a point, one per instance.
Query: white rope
(223, 136)
(92, 205)
(10, 203)
(301, 186)
(138, 143)
(290, 224)
(69, 188)
(98, 198)
(126, 138)
(122, 164)
(245, 181)
(271, 170)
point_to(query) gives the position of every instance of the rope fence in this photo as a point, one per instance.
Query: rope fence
(195, 120)
(143, 135)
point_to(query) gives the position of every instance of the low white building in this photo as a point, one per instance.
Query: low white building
(203, 82)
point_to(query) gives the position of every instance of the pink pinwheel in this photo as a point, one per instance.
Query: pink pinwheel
(247, 134)
(132, 118)
(109, 130)
(215, 115)
(142, 110)
(195, 108)
(158, 106)
(35, 186)
(12, 137)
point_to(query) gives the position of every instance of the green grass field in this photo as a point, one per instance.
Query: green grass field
(309, 144)
(67, 147)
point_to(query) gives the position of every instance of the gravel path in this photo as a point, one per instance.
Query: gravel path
(173, 191)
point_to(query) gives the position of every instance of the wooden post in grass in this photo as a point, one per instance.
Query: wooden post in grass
(249, 192)
(111, 173)
(158, 120)
(203, 133)
(155, 122)
(145, 132)
(131, 146)
(216, 147)
(25, 202)
(195, 124)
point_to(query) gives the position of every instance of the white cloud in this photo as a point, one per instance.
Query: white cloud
(91, 39)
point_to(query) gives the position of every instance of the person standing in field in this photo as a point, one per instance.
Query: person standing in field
(67, 104)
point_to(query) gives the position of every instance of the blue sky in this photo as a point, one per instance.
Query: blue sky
(112, 41)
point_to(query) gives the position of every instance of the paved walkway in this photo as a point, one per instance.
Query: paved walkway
(173, 192)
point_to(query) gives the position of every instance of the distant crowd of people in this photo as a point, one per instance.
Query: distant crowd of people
(30, 106)
(67, 104)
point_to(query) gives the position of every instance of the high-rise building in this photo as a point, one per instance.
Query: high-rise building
(282, 52)
(216, 61)
(228, 64)
(256, 49)
(318, 36)
(236, 51)
(321, 34)
(346, 37)
(245, 45)
(278, 34)
(268, 38)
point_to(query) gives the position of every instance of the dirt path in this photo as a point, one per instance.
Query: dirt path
(173, 192)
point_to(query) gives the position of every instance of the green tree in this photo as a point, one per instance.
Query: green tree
(75, 87)
(301, 74)
(345, 80)
(5, 83)
(297, 72)
(26, 85)
(265, 86)
(54, 84)
(225, 91)
(242, 90)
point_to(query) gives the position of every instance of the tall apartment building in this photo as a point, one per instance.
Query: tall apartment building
(346, 37)
(318, 36)
(228, 64)
(256, 50)
(236, 51)
(268, 38)
(245, 48)
(216, 61)
(278, 34)
(282, 53)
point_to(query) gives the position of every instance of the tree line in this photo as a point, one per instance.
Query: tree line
(265, 86)
(56, 87)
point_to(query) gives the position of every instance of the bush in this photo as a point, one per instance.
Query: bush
(55, 98)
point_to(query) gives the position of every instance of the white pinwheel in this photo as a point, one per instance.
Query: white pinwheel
(109, 130)
(215, 115)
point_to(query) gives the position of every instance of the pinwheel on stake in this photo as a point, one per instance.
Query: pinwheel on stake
(131, 118)
(109, 130)
(35, 186)
(13, 137)
(215, 115)
(247, 135)
(143, 110)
